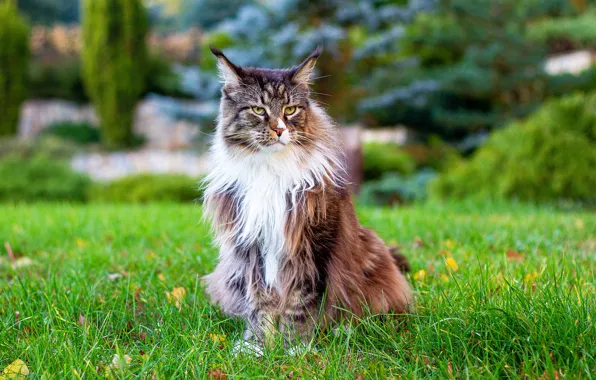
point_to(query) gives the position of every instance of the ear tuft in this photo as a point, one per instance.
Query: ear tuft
(303, 72)
(216, 52)
(228, 72)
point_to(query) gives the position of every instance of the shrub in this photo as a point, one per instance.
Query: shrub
(578, 31)
(40, 178)
(395, 188)
(381, 158)
(57, 80)
(80, 133)
(114, 64)
(435, 154)
(14, 55)
(550, 156)
(48, 146)
(142, 188)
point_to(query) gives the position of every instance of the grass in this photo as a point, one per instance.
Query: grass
(89, 282)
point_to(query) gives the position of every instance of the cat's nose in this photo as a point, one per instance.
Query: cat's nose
(278, 131)
(279, 127)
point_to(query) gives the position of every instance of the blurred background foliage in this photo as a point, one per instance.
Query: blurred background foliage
(469, 79)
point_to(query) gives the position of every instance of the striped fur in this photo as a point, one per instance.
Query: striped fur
(291, 248)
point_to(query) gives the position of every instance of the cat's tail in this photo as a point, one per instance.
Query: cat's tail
(401, 262)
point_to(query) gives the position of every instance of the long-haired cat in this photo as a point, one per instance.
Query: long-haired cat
(292, 253)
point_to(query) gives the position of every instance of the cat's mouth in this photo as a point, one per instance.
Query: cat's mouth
(274, 146)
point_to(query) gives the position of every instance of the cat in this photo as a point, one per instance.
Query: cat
(292, 253)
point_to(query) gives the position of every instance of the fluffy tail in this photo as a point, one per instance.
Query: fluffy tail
(400, 260)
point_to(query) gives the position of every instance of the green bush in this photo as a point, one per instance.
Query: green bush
(550, 156)
(60, 80)
(48, 146)
(142, 188)
(14, 56)
(80, 133)
(380, 158)
(435, 154)
(40, 178)
(115, 64)
(580, 31)
(395, 188)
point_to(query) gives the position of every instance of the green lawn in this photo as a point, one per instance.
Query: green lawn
(90, 282)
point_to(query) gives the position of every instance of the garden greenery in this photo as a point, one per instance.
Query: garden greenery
(142, 188)
(14, 58)
(115, 61)
(548, 157)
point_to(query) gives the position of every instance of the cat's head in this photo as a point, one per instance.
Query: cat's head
(264, 110)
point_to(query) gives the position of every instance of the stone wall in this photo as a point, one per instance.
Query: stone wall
(151, 120)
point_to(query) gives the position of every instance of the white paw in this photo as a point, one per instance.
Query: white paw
(247, 347)
(343, 330)
(300, 349)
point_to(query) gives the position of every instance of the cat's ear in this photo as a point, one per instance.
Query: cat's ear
(302, 73)
(228, 72)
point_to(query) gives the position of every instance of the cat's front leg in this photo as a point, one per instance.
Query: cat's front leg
(258, 334)
(299, 318)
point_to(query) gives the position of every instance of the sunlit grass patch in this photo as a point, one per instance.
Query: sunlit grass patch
(115, 291)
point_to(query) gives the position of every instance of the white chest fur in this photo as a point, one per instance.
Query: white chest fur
(263, 212)
(266, 186)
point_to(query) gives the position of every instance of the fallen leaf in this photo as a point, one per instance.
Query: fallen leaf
(419, 276)
(218, 339)
(15, 370)
(216, 374)
(514, 255)
(81, 243)
(120, 362)
(418, 243)
(161, 277)
(176, 296)
(22, 262)
(9, 251)
(82, 321)
(451, 263)
(114, 276)
(530, 277)
(450, 244)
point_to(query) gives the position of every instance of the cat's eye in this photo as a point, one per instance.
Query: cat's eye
(258, 110)
(290, 110)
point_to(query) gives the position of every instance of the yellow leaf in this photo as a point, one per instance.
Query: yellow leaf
(176, 296)
(217, 338)
(145, 356)
(151, 255)
(444, 278)
(530, 277)
(161, 277)
(15, 370)
(450, 244)
(419, 276)
(451, 263)
(81, 243)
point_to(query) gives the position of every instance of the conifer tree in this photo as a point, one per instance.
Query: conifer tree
(115, 64)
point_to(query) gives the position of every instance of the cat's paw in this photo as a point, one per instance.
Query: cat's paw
(343, 331)
(300, 349)
(247, 347)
